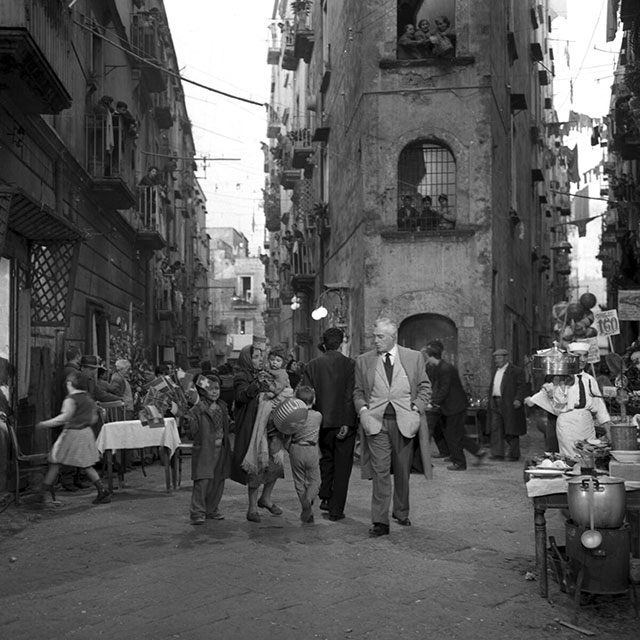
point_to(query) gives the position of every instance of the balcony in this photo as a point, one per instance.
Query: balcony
(244, 300)
(146, 38)
(106, 152)
(303, 32)
(289, 60)
(302, 148)
(151, 234)
(35, 68)
(273, 55)
(163, 116)
(241, 340)
(289, 178)
(303, 269)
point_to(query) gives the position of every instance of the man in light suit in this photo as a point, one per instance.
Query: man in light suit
(391, 390)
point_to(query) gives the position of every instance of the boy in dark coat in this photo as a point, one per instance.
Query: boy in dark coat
(208, 425)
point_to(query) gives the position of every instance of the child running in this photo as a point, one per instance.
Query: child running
(76, 445)
(304, 457)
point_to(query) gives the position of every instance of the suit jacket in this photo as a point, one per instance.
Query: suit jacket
(420, 394)
(514, 387)
(332, 376)
(448, 392)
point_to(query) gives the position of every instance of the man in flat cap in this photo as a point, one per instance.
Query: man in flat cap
(506, 407)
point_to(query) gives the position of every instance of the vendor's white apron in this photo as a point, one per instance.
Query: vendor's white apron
(571, 426)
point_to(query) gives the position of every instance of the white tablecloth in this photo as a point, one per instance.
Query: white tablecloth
(132, 434)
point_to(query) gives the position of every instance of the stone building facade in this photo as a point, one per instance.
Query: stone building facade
(361, 119)
(97, 250)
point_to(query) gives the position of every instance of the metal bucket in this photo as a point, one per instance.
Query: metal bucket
(624, 437)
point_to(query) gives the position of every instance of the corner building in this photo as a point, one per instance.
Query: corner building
(467, 122)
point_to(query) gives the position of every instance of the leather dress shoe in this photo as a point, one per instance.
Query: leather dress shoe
(379, 529)
(405, 522)
(324, 505)
(439, 455)
(253, 516)
(334, 517)
(456, 467)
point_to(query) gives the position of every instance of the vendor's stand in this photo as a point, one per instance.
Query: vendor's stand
(602, 496)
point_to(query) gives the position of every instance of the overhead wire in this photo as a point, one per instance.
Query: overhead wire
(169, 72)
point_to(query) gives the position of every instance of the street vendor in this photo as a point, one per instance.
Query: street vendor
(569, 398)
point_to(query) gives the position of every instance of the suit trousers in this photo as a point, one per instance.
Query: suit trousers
(336, 463)
(499, 438)
(457, 438)
(205, 496)
(389, 448)
(305, 471)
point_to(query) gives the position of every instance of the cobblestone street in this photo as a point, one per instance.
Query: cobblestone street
(137, 568)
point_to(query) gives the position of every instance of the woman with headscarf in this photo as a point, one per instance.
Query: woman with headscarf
(248, 383)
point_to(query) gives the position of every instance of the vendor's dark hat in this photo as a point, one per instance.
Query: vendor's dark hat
(91, 361)
(500, 352)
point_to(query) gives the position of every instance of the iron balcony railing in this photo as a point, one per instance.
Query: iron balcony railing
(151, 208)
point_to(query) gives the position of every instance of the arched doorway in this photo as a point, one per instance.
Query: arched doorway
(414, 332)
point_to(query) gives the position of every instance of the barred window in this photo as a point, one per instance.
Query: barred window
(427, 181)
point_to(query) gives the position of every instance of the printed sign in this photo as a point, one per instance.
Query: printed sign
(606, 323)
(629, 304)
(593, 356)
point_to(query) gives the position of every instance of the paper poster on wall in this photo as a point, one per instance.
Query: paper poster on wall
(629, 304)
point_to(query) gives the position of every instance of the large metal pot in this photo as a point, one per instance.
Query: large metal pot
(609, 501)
(554, 362)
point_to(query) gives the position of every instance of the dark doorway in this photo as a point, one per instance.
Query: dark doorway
(414, 332)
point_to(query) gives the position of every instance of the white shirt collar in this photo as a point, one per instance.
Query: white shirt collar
(393, 352)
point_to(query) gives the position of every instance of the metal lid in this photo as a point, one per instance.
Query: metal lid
(554, 361)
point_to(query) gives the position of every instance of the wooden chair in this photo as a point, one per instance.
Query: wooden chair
(25, 462)
(112, 411)
(184, 449)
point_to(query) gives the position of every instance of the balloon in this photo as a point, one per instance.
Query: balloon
(575, 311)
(568, 333)
(590, 332)
(588, 319)
(588, 300)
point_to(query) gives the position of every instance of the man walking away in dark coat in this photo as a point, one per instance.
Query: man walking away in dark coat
(449, 395)
(332, 377)
(506, 407)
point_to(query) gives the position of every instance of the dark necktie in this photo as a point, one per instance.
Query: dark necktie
(582, 403)
(388, 367)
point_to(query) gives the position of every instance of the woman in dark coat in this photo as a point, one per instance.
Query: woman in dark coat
(248, 382)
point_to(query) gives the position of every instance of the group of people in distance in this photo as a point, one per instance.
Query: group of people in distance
(426, 41)
(429, 218)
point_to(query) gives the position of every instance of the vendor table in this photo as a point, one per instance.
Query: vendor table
(550, 493)
(132, 434)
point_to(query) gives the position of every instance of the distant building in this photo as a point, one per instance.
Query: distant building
(237, 294)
